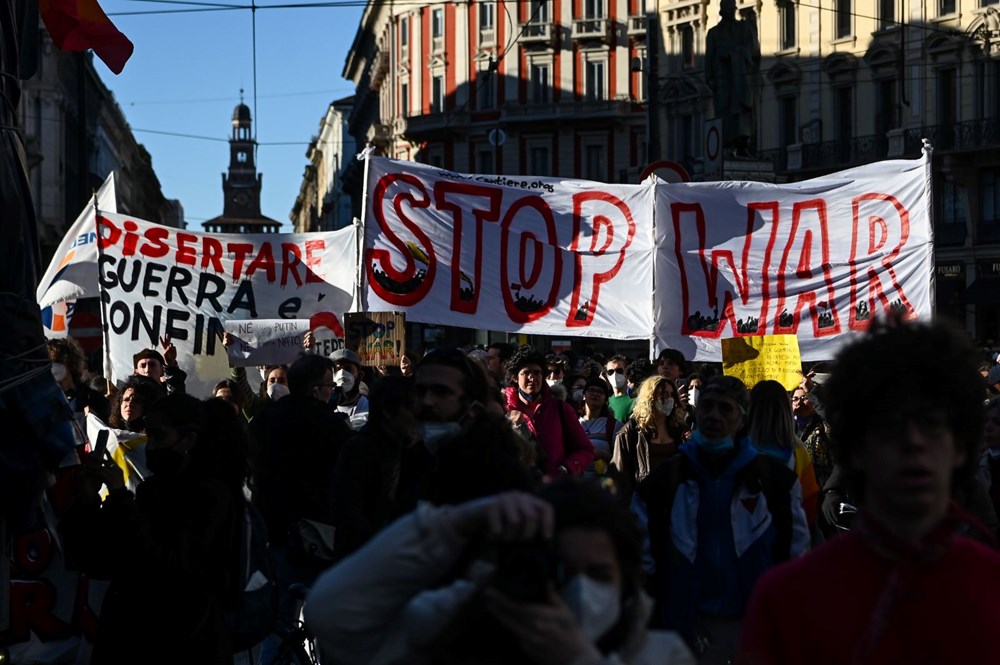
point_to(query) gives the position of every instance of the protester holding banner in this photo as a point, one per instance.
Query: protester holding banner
(561, 440)
(651, 436)
(169, 550)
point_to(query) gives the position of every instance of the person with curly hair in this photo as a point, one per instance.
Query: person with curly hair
(905, 434)
(551, 421)
(652, 435)
(132, 402)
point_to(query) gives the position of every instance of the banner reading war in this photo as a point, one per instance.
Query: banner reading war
(158, 281)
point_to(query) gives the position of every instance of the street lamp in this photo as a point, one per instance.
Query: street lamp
(650, 70)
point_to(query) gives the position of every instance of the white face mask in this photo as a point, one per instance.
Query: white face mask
(344, 379)
(666, 407)
(277, 390)
(618, 380)
(58, 372)
(693, 396)
(551, 382)
(596, 605)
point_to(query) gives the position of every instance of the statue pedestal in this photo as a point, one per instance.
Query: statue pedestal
(748, 169)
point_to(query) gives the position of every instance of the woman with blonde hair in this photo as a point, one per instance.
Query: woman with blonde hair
(652, 435)
(771, 428)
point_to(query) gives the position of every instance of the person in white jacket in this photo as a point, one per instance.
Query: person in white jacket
(443, 584)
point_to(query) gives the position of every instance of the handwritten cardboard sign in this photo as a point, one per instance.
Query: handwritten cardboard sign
(378, 337)
(759, 358)
(265, 341)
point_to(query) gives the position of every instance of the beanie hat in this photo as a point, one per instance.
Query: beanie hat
(730, 387)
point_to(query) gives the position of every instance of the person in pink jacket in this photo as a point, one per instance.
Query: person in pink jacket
(564, 448)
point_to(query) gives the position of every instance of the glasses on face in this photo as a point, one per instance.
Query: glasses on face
(525, 373)
(614, 370)
(797, 399)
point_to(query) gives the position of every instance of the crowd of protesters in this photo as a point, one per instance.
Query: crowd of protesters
(508, 505)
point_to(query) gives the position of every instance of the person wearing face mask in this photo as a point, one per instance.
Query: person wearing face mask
(274, 385)
(168, 550)
(620, 401)
(580, 602)
(347, 375)
(564, 448)
(294, 448)
(67, 369)
(716, 516)
(651, 436)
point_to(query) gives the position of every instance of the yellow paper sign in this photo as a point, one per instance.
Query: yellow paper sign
(756, 359)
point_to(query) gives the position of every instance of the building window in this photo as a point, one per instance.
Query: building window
(486, 15)
(404, 100)
(437, 23)
(885, 106)
(641, 76)
(593, 9)
(687, 45)
(485, 160)
(595, 85)
(950, 209)
(844, 115)
(541, 164)
(786, 13)
(844, 18)
(538, 83)
(485, 87)
(788, 121)
(887, 13)
(404, 31)
(989, 196)
(947, 97)
(539, 11)
(946, 7)
(437, 94)
(241, 157)
(595, 166)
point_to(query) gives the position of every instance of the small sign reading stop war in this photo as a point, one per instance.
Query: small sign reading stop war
(379, 338)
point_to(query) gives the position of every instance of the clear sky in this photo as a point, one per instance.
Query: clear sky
(185, 78)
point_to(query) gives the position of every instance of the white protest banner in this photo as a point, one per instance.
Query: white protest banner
(508, 253)
(265, 341)
(819, 259)
(158, 281)
(72, 273)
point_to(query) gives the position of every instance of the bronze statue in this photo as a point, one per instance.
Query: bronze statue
(732, 61)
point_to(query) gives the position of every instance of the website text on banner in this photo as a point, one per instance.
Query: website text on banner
(517, 254)
(818, 259)
(158, 281)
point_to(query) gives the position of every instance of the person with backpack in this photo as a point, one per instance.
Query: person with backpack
(170, 549)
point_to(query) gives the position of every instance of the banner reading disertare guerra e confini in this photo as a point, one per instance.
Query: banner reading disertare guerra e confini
(818, 258)
(158, 281)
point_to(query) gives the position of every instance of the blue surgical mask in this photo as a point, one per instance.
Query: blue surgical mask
(712, 446)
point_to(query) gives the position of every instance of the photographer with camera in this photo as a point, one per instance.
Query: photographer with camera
(518, 578)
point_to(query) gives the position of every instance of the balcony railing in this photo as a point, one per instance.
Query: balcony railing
(637, 26)
(538, 33)
(591, 28)
(487, 36)
(605, 108)
(968, 135)
(833, 154)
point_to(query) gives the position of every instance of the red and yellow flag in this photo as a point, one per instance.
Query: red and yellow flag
(78, 25)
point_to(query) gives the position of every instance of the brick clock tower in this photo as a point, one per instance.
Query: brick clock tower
(241, 186)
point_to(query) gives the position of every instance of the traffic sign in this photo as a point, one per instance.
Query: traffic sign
(666, 171)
